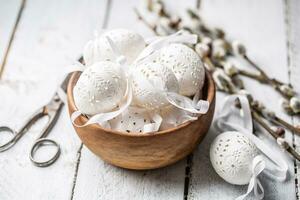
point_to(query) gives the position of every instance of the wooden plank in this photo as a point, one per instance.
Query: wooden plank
(51, 35)
(10, 12)
(263, 33)
(292, 9)
(98, 180)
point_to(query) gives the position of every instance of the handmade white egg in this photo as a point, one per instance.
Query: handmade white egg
(132, 120)
(100, 88)
(231, 155)
(150, 81)
(129, 43)
(186, 65)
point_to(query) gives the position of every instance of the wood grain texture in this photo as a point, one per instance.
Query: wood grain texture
(293, 31)
(260, 26)
(107, 182)
(9, 11)
(50, 36)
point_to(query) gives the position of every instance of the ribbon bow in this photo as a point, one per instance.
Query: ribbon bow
(159, 42)
(245, 126)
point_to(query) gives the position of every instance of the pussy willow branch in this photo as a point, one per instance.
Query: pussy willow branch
(271, 116)
(266, 79)
(140, 17)
(288, 148)
(261, 77)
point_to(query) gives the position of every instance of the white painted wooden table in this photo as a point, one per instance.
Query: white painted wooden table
(50, 35)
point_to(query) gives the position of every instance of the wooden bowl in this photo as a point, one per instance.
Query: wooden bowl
(144, 151)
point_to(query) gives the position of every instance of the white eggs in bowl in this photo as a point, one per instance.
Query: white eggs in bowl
(150, 81)
(128, 42)
(100, 88)
(186, 65)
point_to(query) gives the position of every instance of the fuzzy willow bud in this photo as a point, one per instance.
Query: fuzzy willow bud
(206, 40)
(238, 48)
(295, 104)
(230, 69)
(286, 106)
(282, 143)
(223, 81)
(287, 90)
(202, 50)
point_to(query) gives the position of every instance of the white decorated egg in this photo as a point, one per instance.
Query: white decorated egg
(150, 81)
(100, 88)
(132, 120)
(129, 43)
(186, 65)
(231, 155)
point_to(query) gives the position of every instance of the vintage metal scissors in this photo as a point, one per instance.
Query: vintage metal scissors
(52, 111)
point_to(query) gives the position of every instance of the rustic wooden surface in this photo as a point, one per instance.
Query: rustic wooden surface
(51, 34)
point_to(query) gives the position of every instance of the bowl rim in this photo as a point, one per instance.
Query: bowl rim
(211, 93)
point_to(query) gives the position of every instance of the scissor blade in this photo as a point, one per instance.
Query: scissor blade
(64, 84)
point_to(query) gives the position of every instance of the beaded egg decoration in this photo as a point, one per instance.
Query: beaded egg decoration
(100, 88)
(186, 65)
(150, 81)
(231, 155)
(129, 43)
(132, 120)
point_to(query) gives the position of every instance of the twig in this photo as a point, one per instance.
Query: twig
(140, 17)
(288, 148)
(287, 125)
(271, 81)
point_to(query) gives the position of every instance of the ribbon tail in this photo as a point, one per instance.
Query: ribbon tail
(258, 165)
(249, 190)
(153, 127)
(104, 117)
(187, 104)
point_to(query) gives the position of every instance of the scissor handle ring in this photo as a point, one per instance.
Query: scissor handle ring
(37, 145)
(9, 143)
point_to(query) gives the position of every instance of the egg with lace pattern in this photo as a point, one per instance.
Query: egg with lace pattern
(128, 42)
(186, 65)
(100, 88)
(150, 82)
(231, 155)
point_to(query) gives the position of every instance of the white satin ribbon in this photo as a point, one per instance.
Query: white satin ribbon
(185, 103)
(152, 49)
(152, 127)
(258, 165)
(194, 105)
(245, 126)
(77, 66)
